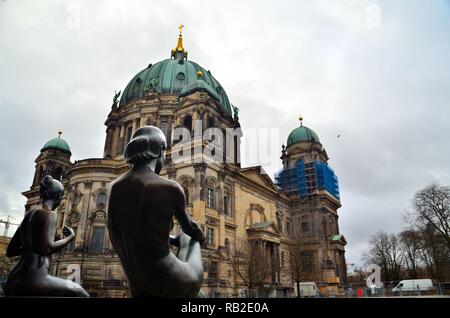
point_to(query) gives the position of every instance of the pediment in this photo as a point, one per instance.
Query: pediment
(267, 227)
(258, 175)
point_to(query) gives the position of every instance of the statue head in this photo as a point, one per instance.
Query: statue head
(147, 145)
(51, 189)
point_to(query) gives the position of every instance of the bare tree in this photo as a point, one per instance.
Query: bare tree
(424, 248)
(435, 254)
(252, 266)
(432, 209)
(300, 265)
(411, 244)
(385, 251)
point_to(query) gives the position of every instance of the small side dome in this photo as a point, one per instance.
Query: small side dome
(57, 143)
(302, 133)
(199, 85)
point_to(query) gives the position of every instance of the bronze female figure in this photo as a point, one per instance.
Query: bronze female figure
(140, 211)
(34, 241)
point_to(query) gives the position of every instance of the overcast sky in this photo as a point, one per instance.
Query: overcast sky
(377, 73)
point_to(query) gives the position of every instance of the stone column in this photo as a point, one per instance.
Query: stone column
(120, 144)
(200, 169)
(108, 244)
(36, 175)
(66, 204)
(109, 144)
(115, 141)
(143, 121)
(277, 260)
(199, 204)
(84, 212)
(221, 209)
(220, 200)
(134, 125)
(107, 149)
(221, 230)
(169, 131)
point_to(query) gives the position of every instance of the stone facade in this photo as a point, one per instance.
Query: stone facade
(4, 241)
(233, 204)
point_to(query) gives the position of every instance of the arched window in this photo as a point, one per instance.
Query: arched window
(210, 236)
(211, 122)
(210, 192)
(210, 198)
(58, 173)
(186, 194)
(101, 200)
(213, 270)
(187, 122)
(226, 204)
(255, 215)
(227, 245)
(186, 182)
(97, 239)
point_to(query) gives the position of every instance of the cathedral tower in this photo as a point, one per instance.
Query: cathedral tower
(313, 189)
(54, 160)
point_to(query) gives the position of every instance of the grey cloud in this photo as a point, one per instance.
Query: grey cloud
(384, 91)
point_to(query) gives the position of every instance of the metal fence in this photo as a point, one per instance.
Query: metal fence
(359, 290)
(440, 289)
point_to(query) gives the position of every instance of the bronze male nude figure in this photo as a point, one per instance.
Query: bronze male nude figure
(34, 241)
(141, 207)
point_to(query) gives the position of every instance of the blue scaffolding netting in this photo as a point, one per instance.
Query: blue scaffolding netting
(305, 178)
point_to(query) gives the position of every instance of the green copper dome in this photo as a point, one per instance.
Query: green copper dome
(174, 77)
(302, 133)
(57, 143)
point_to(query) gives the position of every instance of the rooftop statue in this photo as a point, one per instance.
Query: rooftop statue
(34, 241)
(116, 99)
(235, 111)
(141, 208)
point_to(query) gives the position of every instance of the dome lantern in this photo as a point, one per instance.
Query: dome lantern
(179, 53)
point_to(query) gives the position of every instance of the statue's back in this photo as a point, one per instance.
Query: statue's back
(139, 217)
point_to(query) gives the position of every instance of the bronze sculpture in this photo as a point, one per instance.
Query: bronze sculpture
(34, 241)
(116, 99)
(140, 211)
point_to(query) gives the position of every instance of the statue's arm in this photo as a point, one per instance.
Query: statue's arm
(48, 244)
(188, 225)
(15, 245)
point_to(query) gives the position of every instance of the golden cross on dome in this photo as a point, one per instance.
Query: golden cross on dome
(301, 120)
(59, 133)
(179, 52)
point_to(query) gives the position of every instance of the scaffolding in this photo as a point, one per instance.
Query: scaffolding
(306, 179)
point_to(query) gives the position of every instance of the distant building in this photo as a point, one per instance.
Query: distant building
(232, 203)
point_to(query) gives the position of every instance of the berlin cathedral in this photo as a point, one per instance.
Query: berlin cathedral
(236, 206)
